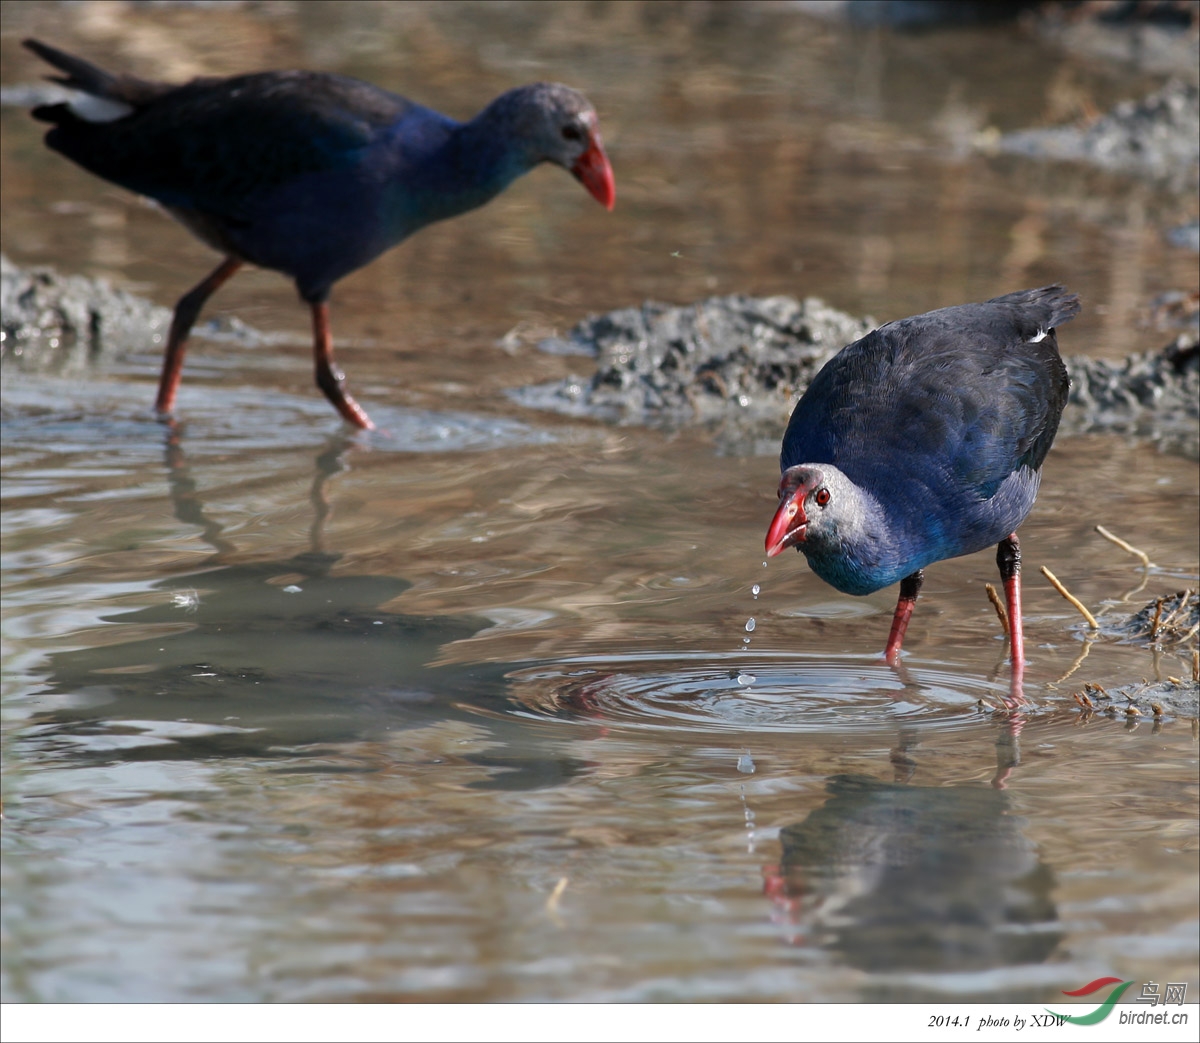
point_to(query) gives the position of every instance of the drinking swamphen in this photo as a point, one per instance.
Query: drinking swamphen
(924, 440)
(308, 173)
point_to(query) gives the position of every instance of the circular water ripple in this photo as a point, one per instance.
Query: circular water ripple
(748, 692)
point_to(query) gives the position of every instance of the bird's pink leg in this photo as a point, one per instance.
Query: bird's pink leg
(181, 325)
(330, 378)
(1008, 559)
(910, 587)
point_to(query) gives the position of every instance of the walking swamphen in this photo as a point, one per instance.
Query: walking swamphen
(307, 173)
(924, 440)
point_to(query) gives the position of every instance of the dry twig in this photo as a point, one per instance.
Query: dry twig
(1141, 554)
(998, 605)
(1054, 582)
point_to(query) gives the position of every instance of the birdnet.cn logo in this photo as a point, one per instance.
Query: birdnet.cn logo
(1173, 992)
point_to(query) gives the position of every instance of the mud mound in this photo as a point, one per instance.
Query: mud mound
(1155, 700)
(63, 323)
(1157, 137)
(659, 363)
(1171, 621)
(739, 363)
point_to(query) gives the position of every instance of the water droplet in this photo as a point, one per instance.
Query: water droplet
(755, 589)
(746, 679)
(750, 624)
(291, 588)
(745, 764)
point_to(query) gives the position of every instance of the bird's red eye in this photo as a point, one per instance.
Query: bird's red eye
(822, 497)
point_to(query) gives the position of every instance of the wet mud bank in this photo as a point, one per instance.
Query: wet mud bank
(736, 363)
(1157, 137)
(735, 356)
(1155, 701)
(68, 324)
(1158, 38)
(740, 362)
(1168, 624)
(1153, 395)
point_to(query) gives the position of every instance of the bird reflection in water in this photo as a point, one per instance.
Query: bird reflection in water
(282, 659)
(896, 878)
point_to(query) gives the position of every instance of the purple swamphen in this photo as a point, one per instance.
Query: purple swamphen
(924, 440)
(307, 173)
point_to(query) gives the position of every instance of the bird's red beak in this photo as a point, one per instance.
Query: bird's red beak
(595, 171)
(789, 524)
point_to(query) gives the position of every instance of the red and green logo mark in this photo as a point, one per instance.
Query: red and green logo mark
(1105, 1008)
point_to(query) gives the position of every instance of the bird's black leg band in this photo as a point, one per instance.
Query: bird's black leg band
(910, 586)
(1008, 557)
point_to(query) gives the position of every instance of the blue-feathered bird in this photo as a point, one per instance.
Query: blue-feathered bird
(308, 173)
(925, 440)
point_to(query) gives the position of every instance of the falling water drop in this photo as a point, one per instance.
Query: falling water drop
(754, 590)
(745, 764)
(750, 624)
(746, 679)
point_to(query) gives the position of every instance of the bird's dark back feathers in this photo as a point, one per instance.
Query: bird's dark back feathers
(209, 143)
(953, 401)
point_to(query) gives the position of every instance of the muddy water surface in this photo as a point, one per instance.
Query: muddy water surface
(489, 705)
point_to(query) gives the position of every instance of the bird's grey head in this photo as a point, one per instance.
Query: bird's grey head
(819, 508)
(557, 124)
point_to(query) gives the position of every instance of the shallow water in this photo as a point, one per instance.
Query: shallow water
(468, 708)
